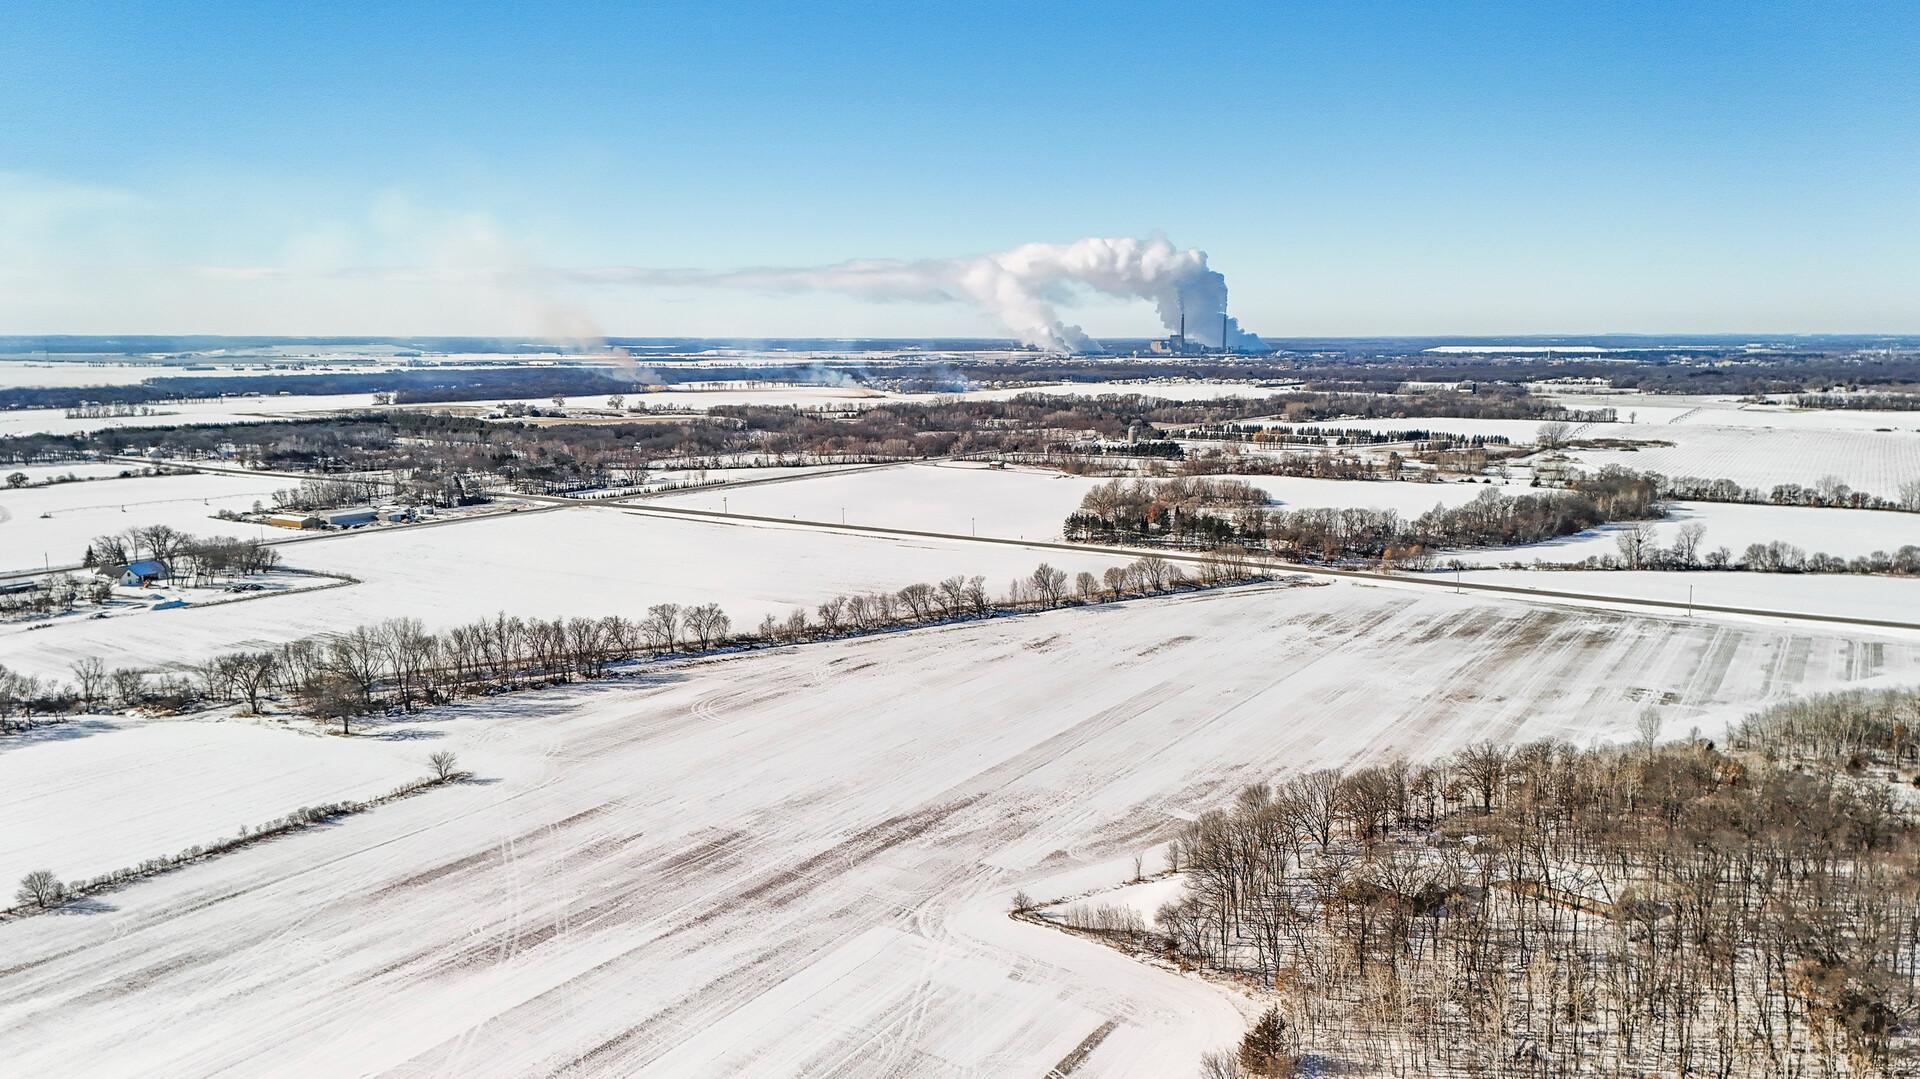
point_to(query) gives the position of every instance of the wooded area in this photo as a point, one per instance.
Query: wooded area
(1674, 909)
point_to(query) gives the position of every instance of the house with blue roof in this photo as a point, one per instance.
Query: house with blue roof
(144, 572)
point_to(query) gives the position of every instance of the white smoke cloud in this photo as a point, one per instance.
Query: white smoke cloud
(1019, 287)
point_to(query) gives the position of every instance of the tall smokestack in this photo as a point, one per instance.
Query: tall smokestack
(1183, 328)
(1223, 331)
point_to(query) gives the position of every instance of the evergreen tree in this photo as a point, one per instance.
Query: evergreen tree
(1264, 1050)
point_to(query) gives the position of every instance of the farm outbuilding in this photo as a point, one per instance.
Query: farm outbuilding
(295, 520)
(351, 518)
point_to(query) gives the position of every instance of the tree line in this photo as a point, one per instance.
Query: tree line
(398, 663)
(1829, 492)
(189, 559)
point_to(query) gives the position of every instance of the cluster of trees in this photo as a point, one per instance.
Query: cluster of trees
(333, 492)
(1179, 511)
(1853, 730)
(1286, 434)
(1548, 910)
(1141, 513)
(188, 558)
(1319, 466)
(100, 410)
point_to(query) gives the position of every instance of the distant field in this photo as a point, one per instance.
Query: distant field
(54, 421)
(1022, 503)
(799, 862)
(1762, 457)
(78, 469)
(1718, 410)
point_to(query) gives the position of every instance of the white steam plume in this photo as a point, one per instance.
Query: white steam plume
(1019, 287)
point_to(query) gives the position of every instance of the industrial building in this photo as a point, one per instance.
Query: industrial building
(1178, 344)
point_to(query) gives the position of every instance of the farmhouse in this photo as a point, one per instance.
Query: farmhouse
(143, 573)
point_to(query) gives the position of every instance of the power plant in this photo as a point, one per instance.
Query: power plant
(1177, 343)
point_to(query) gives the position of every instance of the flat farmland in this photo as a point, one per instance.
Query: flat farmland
(588, 561)
(1877, 462)
(104, 793)
(54, 421)
(52, 525)
(797, 862)
(961, 498)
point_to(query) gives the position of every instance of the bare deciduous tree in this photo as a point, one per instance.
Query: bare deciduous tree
(1047, 584)
(662, 626)
(708, 624)
(90, 681)
(40, 888)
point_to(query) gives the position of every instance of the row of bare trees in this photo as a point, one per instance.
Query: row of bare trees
(1547, 910)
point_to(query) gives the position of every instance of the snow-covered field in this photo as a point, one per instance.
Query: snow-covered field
(100, 794)
(20, 374)
(575, 561)
(86, 470)
(1834, 595)
(54, 421)
(80, 511)
(955, 497)
(1872, 461)
(798, 862)
(963, 498)
(1718, 410)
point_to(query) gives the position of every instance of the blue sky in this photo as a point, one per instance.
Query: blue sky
(1352, 168)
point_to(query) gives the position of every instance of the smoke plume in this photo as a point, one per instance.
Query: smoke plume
(1019, 288)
